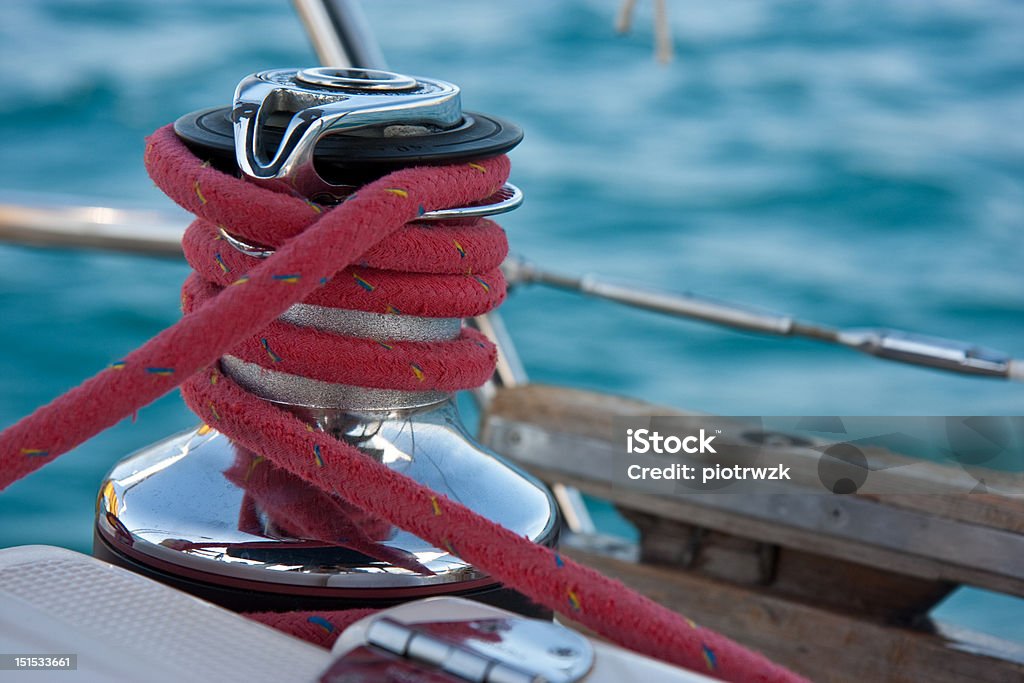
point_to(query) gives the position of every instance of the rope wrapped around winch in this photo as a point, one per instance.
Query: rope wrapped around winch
(365, 254)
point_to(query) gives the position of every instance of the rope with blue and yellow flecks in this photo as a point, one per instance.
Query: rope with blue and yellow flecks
(232, 305)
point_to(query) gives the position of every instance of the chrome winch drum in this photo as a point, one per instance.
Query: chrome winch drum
(190, 511)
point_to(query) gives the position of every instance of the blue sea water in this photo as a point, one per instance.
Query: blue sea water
(857, 162)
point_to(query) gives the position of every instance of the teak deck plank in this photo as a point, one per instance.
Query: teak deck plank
(826, 646)
(565, 435)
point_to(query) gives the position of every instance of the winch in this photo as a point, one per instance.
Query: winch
(202, 513)
(324, 131)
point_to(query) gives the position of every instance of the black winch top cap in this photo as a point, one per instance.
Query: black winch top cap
(209, 134)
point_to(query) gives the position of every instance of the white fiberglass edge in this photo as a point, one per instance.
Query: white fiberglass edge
(125, 627)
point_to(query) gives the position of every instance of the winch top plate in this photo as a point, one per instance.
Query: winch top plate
(209, 134)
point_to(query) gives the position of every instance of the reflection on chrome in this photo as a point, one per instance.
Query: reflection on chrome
(200, 502)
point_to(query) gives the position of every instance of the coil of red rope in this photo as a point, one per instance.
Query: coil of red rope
(366, 254)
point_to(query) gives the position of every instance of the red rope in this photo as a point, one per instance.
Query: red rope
(316, 627)
(432, 271)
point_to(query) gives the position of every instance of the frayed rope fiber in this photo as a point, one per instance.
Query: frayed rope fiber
(231, 306)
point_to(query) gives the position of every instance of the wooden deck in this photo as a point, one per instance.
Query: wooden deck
(837, 587)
